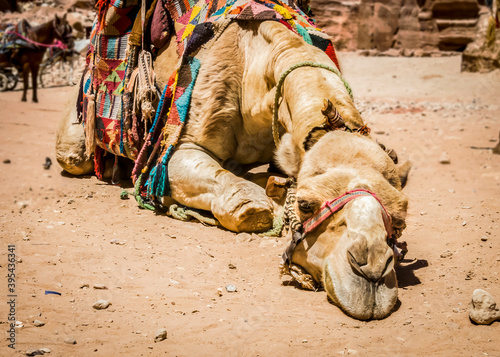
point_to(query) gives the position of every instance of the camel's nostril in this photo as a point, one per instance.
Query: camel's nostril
(374, 264)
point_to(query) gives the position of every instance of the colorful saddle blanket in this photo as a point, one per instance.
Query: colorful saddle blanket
(195, 24)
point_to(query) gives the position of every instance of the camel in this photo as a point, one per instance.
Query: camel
(231, 119)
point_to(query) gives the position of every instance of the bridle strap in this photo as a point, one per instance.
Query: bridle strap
(328, 209)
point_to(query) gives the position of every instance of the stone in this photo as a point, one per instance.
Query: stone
(45, 350)
(231, 288)
(444, 158)
(70, 341)
(38, 323)
(161, 335)
(100, 287)
(483, 308)
(101, 304)
(446, 254)
(6, 161)
(484, 238)
(34, 352)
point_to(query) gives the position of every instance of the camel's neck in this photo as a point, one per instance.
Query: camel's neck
(306, 88)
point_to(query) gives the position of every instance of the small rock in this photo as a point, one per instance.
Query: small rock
(484, 238)
(446, 254)
(84, 286)
(243, 237)
(48, 163)
(114, 241)
(34, 353)
(304, 341)
(464, 223)
(100, 287)
(161, 335)
(101, 304)
(483, 309)
(231, 288)
(6, 161)
(45, 350)
(456, 310)
(231, 266)
(71, 201)
(38, 323)
(219, 292)
(470, 275)
(70, 341)
(423, 213)
(444, 158)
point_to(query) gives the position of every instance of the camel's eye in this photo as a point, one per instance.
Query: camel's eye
(306, 207)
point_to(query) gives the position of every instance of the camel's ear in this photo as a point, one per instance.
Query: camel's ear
(276, 187)
(392, 154)
(333, 118)
(403, 171)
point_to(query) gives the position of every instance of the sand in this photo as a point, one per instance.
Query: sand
(166, 273)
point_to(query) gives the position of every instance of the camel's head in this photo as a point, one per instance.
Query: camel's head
(349, 252)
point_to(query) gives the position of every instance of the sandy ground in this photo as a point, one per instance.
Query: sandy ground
(166, 273)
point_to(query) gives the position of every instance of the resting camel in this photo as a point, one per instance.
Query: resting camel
(230, 118)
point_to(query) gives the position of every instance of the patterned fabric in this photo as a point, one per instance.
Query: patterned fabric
(107, 64)
(195, 24)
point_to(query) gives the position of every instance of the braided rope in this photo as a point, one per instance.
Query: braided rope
(291, 220)
(282, 80)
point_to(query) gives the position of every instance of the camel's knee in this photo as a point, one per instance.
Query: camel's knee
(244, 207)
(70, 144)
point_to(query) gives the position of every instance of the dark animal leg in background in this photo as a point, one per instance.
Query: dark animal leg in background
(34, 76)
(26, 70)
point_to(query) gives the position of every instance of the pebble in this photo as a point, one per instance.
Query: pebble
(70, 341)
(231, 288)
(464, 223)
(219, 291)
(483, 309)
(45, 350)
(446, 254)
(34, 353)
(244, 237)
(6, 161)
(484, 238)
(101, 304)
(100, 287)
(38, 323)
(444, 159)
(231, 266)
(161, 335)
(71, 201)
(83, 286)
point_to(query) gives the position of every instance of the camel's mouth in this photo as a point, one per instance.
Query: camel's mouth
(357, 296)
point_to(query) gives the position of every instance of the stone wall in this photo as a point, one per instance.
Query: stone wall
(401, 26)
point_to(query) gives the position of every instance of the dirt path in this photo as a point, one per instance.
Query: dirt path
(166, 273)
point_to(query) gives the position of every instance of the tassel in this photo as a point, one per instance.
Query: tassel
(90, 142)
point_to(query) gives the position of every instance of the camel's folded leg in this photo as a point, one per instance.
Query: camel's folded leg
(197, 180)
(70, 142)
